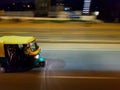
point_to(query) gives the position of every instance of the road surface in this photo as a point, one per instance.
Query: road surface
(69, 69)
(78, 57)
(50, 32)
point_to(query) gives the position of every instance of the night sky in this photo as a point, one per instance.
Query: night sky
(16, 1)
(34, 0)
(75, 4)
(6, 1)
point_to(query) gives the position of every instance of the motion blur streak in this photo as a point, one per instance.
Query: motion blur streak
(69, 66)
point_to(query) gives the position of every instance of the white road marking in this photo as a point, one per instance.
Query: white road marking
(80, 77)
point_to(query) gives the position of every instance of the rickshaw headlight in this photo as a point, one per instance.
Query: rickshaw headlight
(37, 56)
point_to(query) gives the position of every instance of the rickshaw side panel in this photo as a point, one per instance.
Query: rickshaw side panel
(2, 52)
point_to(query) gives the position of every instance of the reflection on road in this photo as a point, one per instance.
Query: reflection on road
(82, 60)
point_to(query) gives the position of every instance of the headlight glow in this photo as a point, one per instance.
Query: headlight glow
(37, 56)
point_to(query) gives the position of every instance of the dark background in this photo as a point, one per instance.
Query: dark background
(109, 9)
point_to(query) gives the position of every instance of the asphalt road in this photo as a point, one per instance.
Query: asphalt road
(69, 69)
(64, 32)
(51, 80)
(71, 65)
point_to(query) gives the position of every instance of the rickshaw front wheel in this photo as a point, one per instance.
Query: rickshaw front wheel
(42, 64)
(2, 69)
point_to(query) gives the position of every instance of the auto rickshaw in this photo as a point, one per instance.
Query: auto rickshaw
(19, 53)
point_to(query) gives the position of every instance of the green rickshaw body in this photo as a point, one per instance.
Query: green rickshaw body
(19, 53)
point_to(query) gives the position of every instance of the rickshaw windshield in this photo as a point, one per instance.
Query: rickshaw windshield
(33, 46)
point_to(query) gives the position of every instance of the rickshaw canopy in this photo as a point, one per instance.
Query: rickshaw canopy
(16, 39)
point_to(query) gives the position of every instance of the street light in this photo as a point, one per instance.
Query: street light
(96, 13)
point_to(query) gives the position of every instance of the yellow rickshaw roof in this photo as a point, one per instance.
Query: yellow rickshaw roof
(16, 39)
